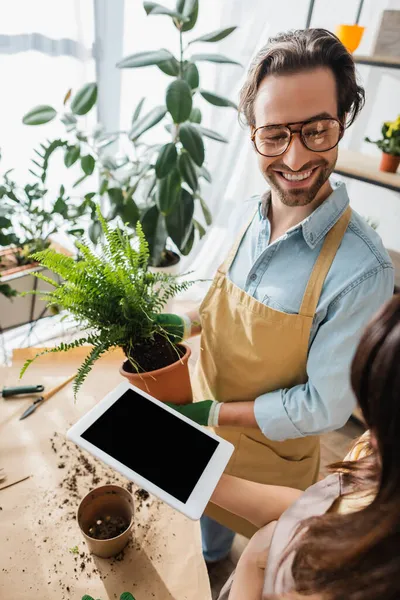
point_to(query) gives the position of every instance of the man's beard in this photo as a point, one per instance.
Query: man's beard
(299, 197)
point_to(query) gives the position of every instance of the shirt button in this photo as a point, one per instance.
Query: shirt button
(311, 237)
(253, 277)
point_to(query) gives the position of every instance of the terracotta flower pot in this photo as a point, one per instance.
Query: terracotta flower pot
(106, 501)
(350, 36)
(169, 384)
(389, 163)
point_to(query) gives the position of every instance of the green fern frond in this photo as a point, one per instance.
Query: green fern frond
(60, 348)
(111, 294)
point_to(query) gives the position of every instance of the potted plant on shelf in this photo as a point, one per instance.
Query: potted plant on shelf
(28, 219)
(117, 301)
(390, 146)
(178, 165)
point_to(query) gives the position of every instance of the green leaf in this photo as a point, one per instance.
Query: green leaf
(153, 223)
(60, 207)
(206, 174)
(212, 134)
(166, 160)
(179, 100)
(206, 211)
(214, 36)
(195, 115)
(168, 192)
(200, 228)
(94, 231)
(39, 115)
(7, 291)
(84, 99)
(215, 58)
(217, 100)
(170, 67)
(71, 156)
(153, 8)
(116, 196)
(86, 597)
(188, 244)
(138, 110)
(144, 59)
(88, 163)
(126, 596)
(103, 187)
(179, 221)
(188, 170)
(192, 142)
(147, 122)
(129, 212)
(190, 9)
(191, 75)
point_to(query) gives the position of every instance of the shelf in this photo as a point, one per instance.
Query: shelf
(389, 62)
(365, 168)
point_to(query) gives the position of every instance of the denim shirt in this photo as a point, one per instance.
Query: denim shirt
(359, 281)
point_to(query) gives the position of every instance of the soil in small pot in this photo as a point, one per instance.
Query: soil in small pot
(108, 527)
(154, 354)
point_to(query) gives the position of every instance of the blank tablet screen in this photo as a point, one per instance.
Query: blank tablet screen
(154, 443)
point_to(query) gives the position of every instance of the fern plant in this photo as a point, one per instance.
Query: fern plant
(114, 297)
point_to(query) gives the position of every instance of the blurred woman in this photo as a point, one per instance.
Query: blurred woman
(340, 539)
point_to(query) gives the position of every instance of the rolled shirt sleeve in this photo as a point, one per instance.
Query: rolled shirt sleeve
(326, 400)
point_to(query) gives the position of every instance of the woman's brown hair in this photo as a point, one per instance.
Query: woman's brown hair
(357, 556)
(302, 50)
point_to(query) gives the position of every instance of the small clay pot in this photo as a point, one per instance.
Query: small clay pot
(106, 501)
(169, 384)
(389, 163)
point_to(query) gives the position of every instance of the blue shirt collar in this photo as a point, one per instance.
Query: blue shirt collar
(317, 225)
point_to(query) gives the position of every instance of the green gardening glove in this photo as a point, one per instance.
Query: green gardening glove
(177, 327)
(204, 413)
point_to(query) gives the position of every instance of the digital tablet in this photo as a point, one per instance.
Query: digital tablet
(154, 446)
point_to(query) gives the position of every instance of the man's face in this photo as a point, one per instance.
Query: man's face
(295, 98)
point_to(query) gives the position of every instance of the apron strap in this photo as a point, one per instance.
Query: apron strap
(322, 265)
(226, 265)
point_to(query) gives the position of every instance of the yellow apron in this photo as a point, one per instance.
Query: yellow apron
(248, 349)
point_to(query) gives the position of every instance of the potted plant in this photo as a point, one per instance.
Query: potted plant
(105, 518)
(28, 219)
(178, 166)
(390, 146)
(118, 300)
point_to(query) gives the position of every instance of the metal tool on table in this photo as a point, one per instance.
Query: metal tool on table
(19, 390)
(38, 401)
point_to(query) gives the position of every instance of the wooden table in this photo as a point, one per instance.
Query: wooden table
(43, 555)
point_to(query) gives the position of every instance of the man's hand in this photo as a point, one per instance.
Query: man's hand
(177, 327)
(203, 413)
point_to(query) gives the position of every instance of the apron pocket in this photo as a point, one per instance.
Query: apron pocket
(263, 463)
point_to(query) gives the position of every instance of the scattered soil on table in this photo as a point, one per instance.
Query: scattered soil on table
(108, 527)
(154, 354)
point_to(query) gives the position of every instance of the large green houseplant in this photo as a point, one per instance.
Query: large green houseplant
(118, 302)
(179, 164)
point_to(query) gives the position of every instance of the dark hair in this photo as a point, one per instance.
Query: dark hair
(356, 556)
(302, 50)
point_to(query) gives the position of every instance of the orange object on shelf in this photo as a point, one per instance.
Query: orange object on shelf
(350, 36)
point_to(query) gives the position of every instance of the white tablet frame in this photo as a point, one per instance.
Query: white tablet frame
(200, 496)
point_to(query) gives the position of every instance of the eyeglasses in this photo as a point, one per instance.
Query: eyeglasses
(317, 135)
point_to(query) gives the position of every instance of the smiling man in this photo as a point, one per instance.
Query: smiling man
(284, 313)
